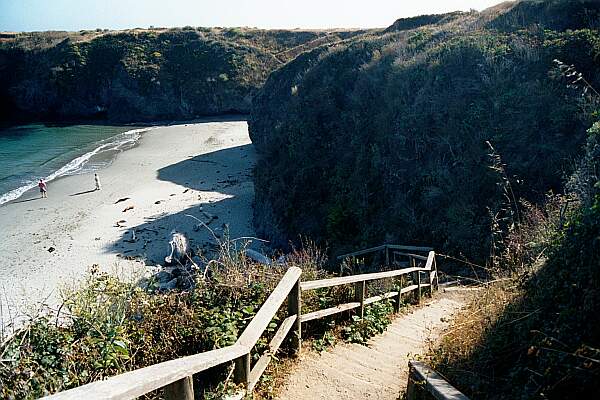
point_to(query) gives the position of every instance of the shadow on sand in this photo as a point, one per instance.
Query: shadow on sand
(25, 201)
(80, 193)
(227, 172)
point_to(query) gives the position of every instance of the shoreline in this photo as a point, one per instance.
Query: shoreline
(198, 169)
(141, 128)
(106, 152)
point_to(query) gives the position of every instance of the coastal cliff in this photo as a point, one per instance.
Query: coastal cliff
(142, 74)
(419, 133)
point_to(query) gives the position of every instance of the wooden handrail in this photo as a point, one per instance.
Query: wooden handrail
(263, 317)
(384, 247)
(409, 248)
(360, 286)
(344, 280)
(361, 252)
(133, 384)
(176, 375)
(256, 327)
(422, 377)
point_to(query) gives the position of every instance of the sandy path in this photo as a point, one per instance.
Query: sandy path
(175, 170)
(377, 371)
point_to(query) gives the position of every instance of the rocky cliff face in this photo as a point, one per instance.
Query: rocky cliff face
(141, 75)
(418, 135)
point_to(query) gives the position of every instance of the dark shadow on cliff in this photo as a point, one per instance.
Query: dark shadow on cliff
(227, 172)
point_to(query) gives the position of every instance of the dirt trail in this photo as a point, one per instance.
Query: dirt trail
(378, 370)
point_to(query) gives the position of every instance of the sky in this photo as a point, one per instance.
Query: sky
(73, 15)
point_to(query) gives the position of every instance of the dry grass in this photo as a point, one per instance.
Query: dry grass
(468, 330)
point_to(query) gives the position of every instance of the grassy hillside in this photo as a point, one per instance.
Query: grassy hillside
(142, 74)
(414, 134)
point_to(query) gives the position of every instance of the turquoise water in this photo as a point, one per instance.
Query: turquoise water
(31, 152)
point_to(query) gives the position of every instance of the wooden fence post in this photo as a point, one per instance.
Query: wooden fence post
(295, 308)
(437, 281)
(419, 284)
(359, 296)
(412, 388)
(387, 256)
(241, 374)
(431, 283)
(431, 278)
(398, 297)
(182, 389)
(412, 262)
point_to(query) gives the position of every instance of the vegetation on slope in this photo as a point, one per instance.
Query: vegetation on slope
(142, 74)
(108, 326)
(387, 137)
(536, 333)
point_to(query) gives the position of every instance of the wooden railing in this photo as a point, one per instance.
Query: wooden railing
(175, 376)
(360, 283)
(390, 252)
(422, 379)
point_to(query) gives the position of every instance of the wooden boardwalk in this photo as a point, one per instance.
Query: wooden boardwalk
(376, 371)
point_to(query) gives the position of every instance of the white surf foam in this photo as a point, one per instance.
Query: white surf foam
(118, 143)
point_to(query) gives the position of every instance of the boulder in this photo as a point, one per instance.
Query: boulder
(258, 257)
(170, 285)
(177, 272)
(163, 276)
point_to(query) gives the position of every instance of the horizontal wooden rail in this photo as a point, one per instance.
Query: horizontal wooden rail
(424, 378)
(263, 317)
(344, 280)
(413, 255)
(329, 311)
(384, 247)
(349, 306)
(175, 376)
(384, 296)
(131, 385)
(409, 289)
(361, 252)
(409, 248)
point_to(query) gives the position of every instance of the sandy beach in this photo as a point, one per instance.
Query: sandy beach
(202, 169)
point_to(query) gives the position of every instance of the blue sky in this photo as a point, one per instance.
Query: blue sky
(33, 15)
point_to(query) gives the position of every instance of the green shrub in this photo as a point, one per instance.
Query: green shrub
(376, 319)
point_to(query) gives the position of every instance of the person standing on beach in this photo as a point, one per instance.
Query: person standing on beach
(97, 180)
(43, 188)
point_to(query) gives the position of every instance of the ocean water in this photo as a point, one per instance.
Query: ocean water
(31, 152)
